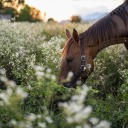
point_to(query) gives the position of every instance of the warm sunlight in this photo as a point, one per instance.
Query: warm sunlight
(63, 9)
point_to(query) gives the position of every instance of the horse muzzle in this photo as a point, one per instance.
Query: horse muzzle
(75, 82)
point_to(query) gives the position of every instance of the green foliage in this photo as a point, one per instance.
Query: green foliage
(51, 20)
(1, 6)
(29, 14)
(10, 11)
(12, 3)
(30, 56)
(109, 83)
(25, 14)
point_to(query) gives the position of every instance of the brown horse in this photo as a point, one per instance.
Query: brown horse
(80, 50)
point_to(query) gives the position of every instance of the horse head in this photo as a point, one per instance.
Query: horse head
(77, 62)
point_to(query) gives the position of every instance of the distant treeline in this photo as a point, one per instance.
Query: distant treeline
(20, 11)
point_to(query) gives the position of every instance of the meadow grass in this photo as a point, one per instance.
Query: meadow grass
(30, 97)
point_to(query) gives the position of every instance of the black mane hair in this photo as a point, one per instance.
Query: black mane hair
(106, 28)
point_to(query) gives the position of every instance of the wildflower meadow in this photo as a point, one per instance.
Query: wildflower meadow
(30, 96)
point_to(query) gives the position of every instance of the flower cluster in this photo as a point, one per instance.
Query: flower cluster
(77, 113)
(30, 56)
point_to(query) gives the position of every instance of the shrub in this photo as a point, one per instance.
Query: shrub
(76, 19)
(29, 14)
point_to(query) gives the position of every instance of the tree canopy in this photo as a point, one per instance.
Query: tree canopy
(29, 14)
(19, 10)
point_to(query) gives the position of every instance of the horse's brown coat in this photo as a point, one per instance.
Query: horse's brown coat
(112, 29)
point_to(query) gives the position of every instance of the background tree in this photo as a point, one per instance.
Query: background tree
(11, 7)
(19, 10)
(12, 3)
(75, 19)
(29, 14)
(1, 6)
(35, 14)
(10, 11)
(51, 20)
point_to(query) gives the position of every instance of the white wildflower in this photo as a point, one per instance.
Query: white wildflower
(78, 127)
(81, 115)
(31, 117)
(38, 68)
(17, 54)
(94, 121)
(69, 76)
(87, 126)
(20, 92)
(48, 119)
(85, 113)
(9, 92)
(53, 77)
(2, 71)
(70, 119)
(38, 116)
(74, 108)
(38, 73)
(103, 124)
(5, 98)
(13, 122)
(47, 75)
(75, 98)
(3, 79)
(48, 70)
(12, 84)
(1, 103)
(29, 87)
(64, 105)
(42, 125)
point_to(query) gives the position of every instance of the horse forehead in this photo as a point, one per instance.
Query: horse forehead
(67, 47)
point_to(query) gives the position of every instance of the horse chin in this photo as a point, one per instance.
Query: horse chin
(69, 85)
(81, 80)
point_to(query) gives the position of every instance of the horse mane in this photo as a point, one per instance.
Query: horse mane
(105, 28)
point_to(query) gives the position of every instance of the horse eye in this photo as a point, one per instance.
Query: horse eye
(69, 59)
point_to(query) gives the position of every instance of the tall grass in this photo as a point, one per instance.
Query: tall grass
(30, 96)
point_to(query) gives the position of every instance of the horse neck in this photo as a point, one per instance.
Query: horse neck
(119, 36)
(96, 47)
(119, 32)
(113, 41)
(92, 51)
(110, 30)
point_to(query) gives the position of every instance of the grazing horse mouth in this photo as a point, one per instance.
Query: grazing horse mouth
(76, 81)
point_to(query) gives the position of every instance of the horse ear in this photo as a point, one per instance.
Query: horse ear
(68, 34)
(75, 35)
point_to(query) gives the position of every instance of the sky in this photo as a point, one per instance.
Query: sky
(64, 9)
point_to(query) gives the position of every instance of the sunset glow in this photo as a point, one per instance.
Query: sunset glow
(63, 9)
